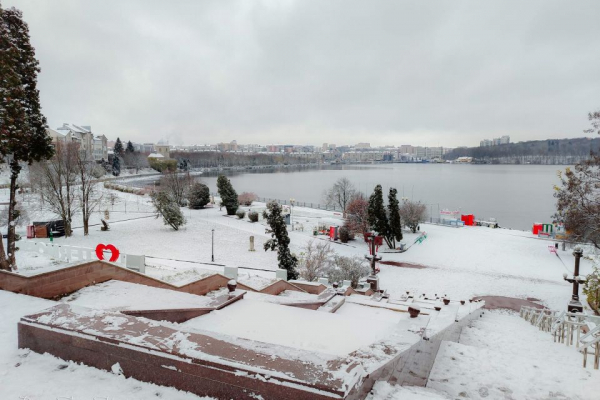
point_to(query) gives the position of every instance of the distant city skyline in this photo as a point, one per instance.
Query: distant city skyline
(388, 72)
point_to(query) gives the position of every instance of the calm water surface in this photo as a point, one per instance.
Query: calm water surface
(516, 195)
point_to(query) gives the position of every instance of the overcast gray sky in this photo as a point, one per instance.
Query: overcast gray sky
(386, 72)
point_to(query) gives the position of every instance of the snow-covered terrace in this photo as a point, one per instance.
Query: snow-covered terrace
(265, 347)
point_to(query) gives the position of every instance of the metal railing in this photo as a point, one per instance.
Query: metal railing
(316, 206)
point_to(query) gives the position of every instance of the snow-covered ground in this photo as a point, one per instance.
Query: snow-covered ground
(500, 356)
(293, 327)
(460, 262)
(28, 375)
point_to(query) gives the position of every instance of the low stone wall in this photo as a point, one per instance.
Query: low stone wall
(278, 287)
(413, 366)
(309, 287)
(184, 314)
(201, 364)
(64, 281)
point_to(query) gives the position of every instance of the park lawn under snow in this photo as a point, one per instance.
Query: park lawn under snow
(460, 262)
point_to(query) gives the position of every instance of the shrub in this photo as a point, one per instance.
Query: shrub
(168, 208)
(592, 288)
(315, 259)
(240, 214)
(253, 216)
(246, 198)
(198, 196)
(347, 268)
(162, 165)
(344, 234)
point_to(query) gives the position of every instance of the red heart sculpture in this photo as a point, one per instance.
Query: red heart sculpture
(100, 252)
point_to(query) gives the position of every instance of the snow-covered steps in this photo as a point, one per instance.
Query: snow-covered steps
(253, 348)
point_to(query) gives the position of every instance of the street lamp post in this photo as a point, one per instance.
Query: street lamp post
(292, 201)
(212, 250)
(575, 305)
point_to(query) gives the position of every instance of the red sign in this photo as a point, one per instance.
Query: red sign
(100, 252)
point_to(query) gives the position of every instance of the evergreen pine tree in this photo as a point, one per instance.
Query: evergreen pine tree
(166, 206)
(280, 239)
(394, 220)
(229, 197)
(129, 149)
(22, 125)
(118, 149)
(116, 165)
(198, 196)
(378, 219)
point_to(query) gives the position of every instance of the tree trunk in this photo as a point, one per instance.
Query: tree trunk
(86, 219)
(11, 247)
(67, 224)
(3, 261)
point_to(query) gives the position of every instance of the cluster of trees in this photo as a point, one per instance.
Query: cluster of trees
(362, 215)
(126, 156)
(578, 206)
(552, 151)
(210, 159)
(67, 184)
(178, 190)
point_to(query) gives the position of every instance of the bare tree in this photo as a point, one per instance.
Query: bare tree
(578, 200)
(340, 194)
(176, 185)
(135, 160)
(314, 260)
(412, 214)
(89, 198)
(59, 178)
(357, 215)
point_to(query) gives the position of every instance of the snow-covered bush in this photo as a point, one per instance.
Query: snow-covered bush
(347, 268)
(198, 196)
(168, 208)
(345, 235)
(240, 214)
(253, 216)
(314, 260)
(592, 288)
(246, 198)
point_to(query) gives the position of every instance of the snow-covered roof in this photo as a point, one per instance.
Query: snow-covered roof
(156, 155)
(74, 128)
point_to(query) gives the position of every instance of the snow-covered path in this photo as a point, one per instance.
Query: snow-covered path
(501, 356)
